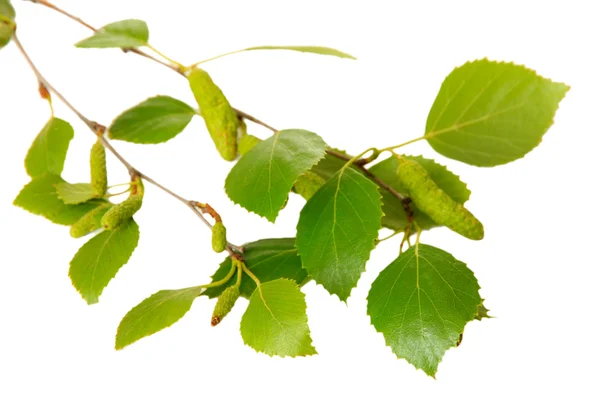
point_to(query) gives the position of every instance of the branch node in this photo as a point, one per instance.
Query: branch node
(98, 128)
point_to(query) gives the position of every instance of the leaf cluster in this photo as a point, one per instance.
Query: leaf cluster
(486, 114)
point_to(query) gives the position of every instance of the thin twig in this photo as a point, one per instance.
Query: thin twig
(63, 12)
(100, 130)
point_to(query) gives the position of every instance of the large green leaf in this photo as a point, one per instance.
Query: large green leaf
(267, 259)
(262, 179)
(421, 303)
(490, 113)
(394, 214)
(155, 313)
(337, 231)
(303, 48)
(99, 259)
(49, 149)
(74, 193)
(275, 321)
(154, 120)
(120, 34)
(40, 197)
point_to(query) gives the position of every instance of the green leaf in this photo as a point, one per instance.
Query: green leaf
(120, 34)
(421, 303)
(49, 149)
(268, 260)
(328, 166)
(394, 214)
(275, 321)
(337, 231)
(99, 259)
(301, 48)
(155, 313)
(491, 113)
(74, 193)
(262, 179)
(40, 197)
(155, 120)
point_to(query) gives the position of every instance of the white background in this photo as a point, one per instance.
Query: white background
(537, 266)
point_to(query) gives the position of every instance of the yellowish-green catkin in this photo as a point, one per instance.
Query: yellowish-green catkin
(219, 237)
(220, 118)
(121, 212)
(434, 202)
(98, 169)
(224, 304)
(90, 222)
(307, 184)
(5, 34)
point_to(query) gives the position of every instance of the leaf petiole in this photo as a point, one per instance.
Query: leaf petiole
(395, 233)
(179, 66)
(192, 66)
(393, 147)
(256, 280)
(234, 265)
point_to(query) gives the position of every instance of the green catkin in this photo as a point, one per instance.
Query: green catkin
(307, 184)
(98, 169)
(434, 202)
(224, 304)
(219, 237)
(90, 222)
(121, 212)
(6, 32)
(220, 118)
(7, 12)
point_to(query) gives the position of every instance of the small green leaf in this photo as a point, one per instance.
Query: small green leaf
(421, 303)
(155, 313)
(337, 231)
(120, 34)
(155, 120)
(49, 149)
(268, 260)
(74, 193)
(40, 197)
(99, 259)
(275, 321)
(491, 113)
(303, 48)
(262, 179)
(394, 214)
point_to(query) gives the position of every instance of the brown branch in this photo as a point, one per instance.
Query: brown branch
(359, 164)
(100, 131)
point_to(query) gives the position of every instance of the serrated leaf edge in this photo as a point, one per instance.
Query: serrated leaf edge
(309, 333)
